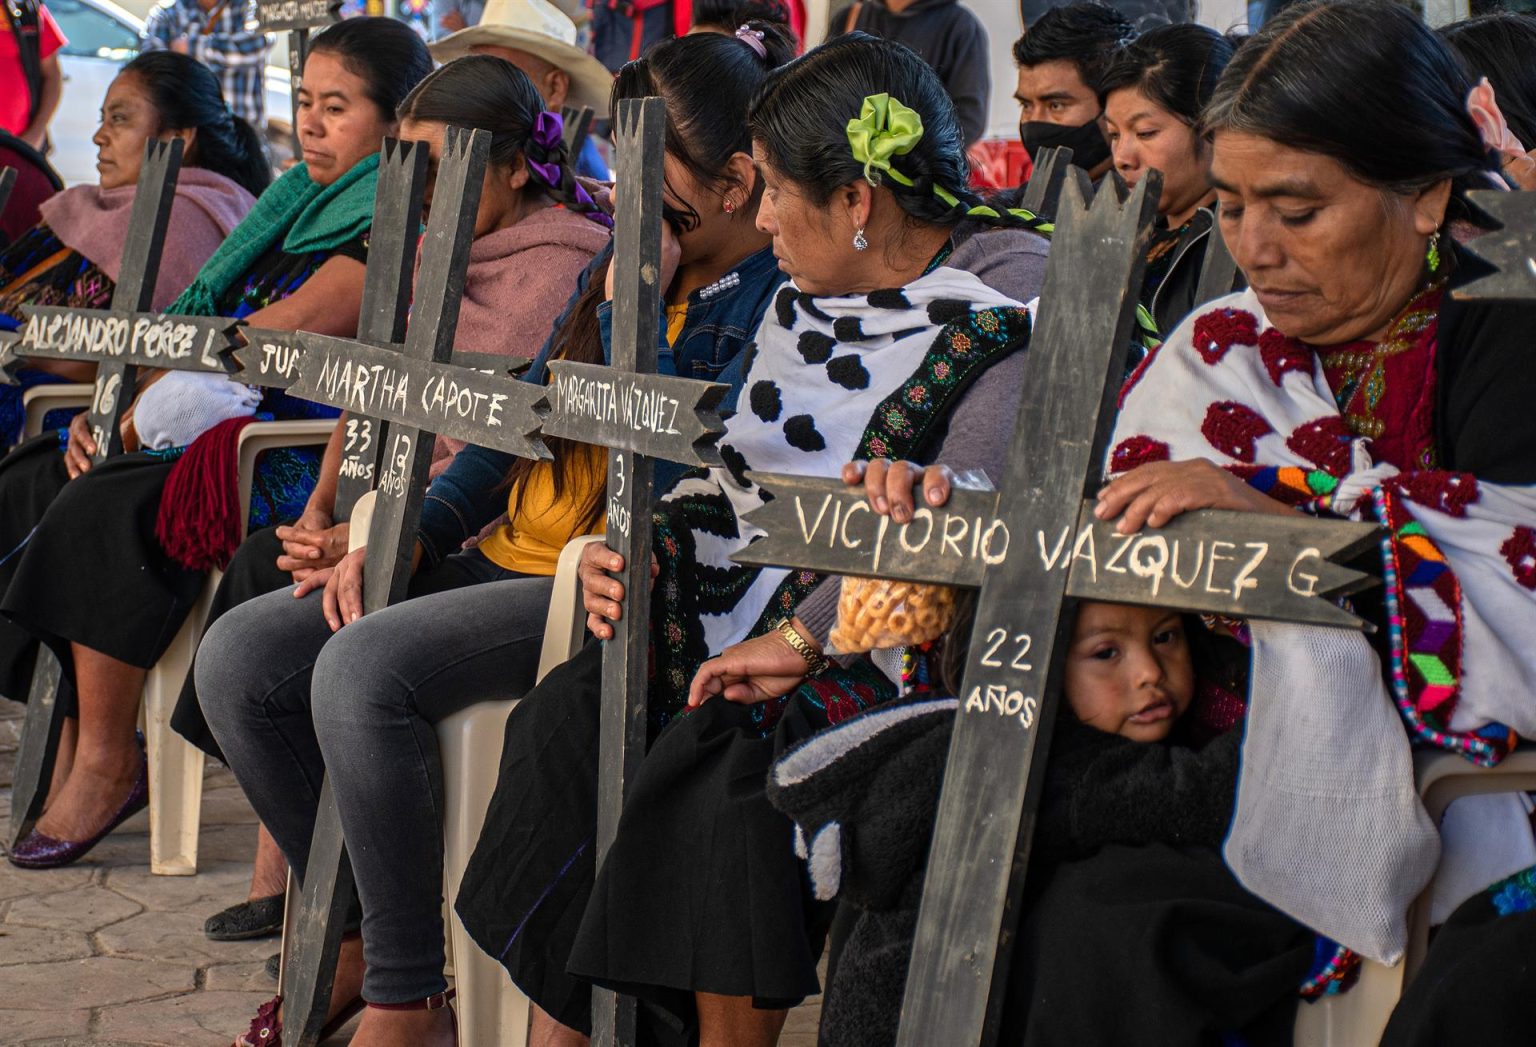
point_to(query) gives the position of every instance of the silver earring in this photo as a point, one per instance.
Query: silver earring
(859, 243)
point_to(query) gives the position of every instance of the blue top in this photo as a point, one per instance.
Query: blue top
(720, 323)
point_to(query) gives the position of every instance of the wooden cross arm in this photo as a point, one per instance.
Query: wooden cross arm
(659, 416)
(1244, 565)
(175, 343)
(270, 358)
(489, 410)
(277, 16)
(1511, 249)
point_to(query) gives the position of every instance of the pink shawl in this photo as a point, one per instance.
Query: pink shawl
(94, 221)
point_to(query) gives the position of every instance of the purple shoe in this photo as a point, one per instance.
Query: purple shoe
(40, 851)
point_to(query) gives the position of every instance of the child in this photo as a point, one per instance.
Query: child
(1128, 827)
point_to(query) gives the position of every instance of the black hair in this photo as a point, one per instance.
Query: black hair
(729, 14)
(1502, 47)
(1175, 66)
(1365, 83)
(708, 81)
(487, 93)
(801, 120)
(1086, 33)
(385, 53)
(186, 95)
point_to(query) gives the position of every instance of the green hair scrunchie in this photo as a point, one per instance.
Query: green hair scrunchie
(886, 128)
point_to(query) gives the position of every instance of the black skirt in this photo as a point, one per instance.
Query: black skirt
(31, 477)
(93, 572)
(252, 572)
(701, 891)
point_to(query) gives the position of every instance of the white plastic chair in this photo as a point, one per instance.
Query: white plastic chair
(40, 399)
(1358, 1017)
(176, 765)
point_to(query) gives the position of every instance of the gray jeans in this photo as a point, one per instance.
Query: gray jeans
(290, 702)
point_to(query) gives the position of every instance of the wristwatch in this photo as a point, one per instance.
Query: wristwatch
(815, 661)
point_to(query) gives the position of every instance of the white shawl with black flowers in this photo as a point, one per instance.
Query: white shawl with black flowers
(821, 367)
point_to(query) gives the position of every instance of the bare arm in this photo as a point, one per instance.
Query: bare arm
(327, 303)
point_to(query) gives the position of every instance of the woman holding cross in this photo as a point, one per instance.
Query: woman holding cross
(879, 345)
(1348, 381)
(71, 258)
(91, 574)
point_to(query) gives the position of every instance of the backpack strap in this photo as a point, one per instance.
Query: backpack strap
(26, 27)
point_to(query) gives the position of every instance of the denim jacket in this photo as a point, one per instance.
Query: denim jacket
(722, 319)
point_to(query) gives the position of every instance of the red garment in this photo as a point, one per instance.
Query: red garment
(15, 99)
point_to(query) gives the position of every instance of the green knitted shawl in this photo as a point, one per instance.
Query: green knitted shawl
(317, 218)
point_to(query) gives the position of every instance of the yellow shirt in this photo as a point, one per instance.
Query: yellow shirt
(531, 540)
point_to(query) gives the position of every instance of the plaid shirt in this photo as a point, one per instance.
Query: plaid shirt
(236, 54)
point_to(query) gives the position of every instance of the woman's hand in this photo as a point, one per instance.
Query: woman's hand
(1151, 495)
(752, 671)
(888, 485)
(343, 600)
(77, 455)
(312, 542)
(602, 594)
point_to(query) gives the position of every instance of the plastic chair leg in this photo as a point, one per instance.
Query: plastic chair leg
(175, 765)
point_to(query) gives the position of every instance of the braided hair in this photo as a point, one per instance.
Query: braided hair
(483, 92)
(186, 95)
(801, 117)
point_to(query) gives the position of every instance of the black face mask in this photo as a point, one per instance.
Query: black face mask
(1089, 149)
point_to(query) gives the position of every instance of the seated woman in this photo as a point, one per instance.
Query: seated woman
(536, 232)
(323, 687)
(87, 538)
(1496, 51)
(1346, 381)
(1153, 93)
(878, 346)
(71, 258)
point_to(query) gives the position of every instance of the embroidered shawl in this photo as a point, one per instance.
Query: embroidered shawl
(1328, 825)
(830, 380)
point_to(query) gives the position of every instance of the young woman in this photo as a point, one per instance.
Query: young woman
(82, 538)
(355, 698)
(877, 347)
(1153, 92)
(71, 257)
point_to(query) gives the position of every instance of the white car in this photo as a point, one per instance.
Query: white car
(103, 37)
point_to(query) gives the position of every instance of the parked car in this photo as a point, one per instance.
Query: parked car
(102, 38)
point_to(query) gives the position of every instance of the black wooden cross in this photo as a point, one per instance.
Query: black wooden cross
(1033, 547)
(1053, 169)
(1511, 249)
(639, 416)
(110, 337)
(7, 183)
(296, 18)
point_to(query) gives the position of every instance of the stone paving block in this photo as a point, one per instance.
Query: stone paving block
(26, 1026)
(24, 945)
(243, 977)
(18, 883)
(189, 1019)
(216, 885)
(226, 805)
(84, 909)
(99, 981)
(221, 843)
(173, 938)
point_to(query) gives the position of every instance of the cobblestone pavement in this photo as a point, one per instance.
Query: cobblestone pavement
(104, 954)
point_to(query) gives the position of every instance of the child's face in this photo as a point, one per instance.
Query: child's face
(1128, 670)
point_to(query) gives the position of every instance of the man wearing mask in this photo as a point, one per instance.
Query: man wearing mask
(1060, 59)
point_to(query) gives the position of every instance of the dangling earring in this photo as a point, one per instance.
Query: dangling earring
(859, 243)
(730, 206)
(1432, 256)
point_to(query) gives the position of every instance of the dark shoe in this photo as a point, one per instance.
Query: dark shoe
(274, 965)
(40, 851)
(256, 918)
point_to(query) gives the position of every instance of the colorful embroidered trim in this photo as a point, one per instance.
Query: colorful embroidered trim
(1334, 970)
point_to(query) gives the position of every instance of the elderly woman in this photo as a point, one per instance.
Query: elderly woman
(1153, 93)
(121, 533)
(72, 257)
(880, 345)
(1350, 380)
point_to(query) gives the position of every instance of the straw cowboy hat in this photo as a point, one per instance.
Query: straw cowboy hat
(543, 30)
